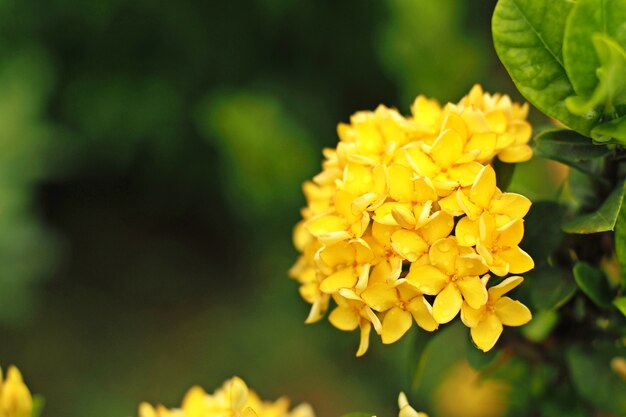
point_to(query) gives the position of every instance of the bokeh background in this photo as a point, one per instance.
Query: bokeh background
(151, 157)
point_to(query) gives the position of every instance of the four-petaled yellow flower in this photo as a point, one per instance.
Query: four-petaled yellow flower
(486, 321)
(15, 398)
(233, 399)
(406, 219)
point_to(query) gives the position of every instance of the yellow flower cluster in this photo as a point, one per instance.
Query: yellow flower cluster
(233, 399)
(405, 221)
(15, 398)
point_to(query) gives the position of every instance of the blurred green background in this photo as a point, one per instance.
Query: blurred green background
(151, 157)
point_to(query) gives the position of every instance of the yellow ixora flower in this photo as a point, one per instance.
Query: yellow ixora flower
(405, 408)
(15, 398)
(486, 323)
(233, 399)
(406, 218)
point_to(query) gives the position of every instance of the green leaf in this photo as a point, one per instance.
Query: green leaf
(587, 18)
(620, 304)
(613, 131)
(568, 147)
(593, 283)
(528, 37)
(443, 350)
(550, 287)
(611, 90)
(602, 220)
(620, 245)
(543, 233)
(504, 173)
(480, 360)
(541, 325)
(595, 381)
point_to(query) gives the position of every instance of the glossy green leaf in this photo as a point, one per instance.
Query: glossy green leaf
(602, 220)
(528, 37)
(568, 147)
(613, 131)
(595, 381)
(589, 17)
(593, 283)
(543, 234)
(611, 89)
(541, 325)
(620, 304)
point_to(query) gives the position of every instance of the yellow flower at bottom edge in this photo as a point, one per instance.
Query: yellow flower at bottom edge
(405, 408)
(486, 323)
(15, 398)
(233, 399)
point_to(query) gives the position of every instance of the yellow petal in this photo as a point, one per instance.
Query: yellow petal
(465, 174)
(487, 331)
(455, 122)
(368, 138)
(515, 206)
(362, 203)
(484, 143)
(504, 287)
(522, 131)
(518, 260)
(344, 318)
(425, 111)
(484, 187)
(511, 234)
(383, 215)
(447, 148)
(427, 279)
(447, 304)
(193, 401)
(337, 254)
(439, 226)
(382, 233)
(364, 344)
(475, 120)
(400, 184)
(497, 121)
(238, 394)
(325, 224)
(380, 296)
(471, 316)
(421, 162)
(248, 412)
(146, 410)
(408, 244)
(422, 313)
(511, 312)
(424, 190)
(515, 154)
(473, 290)
(443, 254)
(486, 229)
(470, 265)
(469, 208)
(403, 216)
(344, 278)
(343, 205)
(395, 324)
(466, 232)
(357, 179)
(450, 205)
